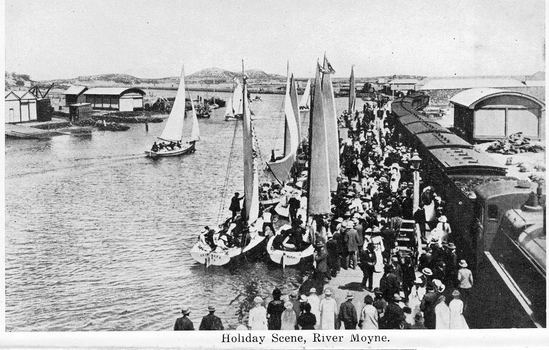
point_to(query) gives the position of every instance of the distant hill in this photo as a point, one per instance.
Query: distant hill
(204, 76)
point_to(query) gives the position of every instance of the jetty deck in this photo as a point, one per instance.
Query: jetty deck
(350, 281)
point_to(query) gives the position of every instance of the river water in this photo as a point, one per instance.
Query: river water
(98, 236)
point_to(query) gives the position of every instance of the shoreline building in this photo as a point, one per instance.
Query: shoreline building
(20, 106)
(121, 99)
(493, 114)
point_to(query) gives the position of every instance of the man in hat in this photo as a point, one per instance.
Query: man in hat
(211, 322)
(321, 259)
(183, 323)
(294, 203)
(347, 312)
(352, 241)
(428, 304)
(367, 264)
(394, 316)
(332, 247)
(235, 204)
(389, 284)
(465, 280)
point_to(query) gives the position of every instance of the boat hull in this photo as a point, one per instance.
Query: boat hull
(174, 153)
(220, 258)
(288, 258)
(233, 117)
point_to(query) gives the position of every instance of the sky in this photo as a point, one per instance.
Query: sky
(51, 39)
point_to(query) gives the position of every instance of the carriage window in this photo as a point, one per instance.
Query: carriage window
(492, 211)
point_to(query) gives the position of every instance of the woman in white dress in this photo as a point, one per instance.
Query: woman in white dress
(328, 311)
(417, 293)
(442, 313)
(257, 320)
(457, 321)
(378, 249)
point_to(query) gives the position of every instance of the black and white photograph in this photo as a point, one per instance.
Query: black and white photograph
(287, 174)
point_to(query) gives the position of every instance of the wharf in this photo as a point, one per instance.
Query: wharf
(350, 281)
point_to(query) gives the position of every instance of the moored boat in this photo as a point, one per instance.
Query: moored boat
(319, 174)
(244, 230)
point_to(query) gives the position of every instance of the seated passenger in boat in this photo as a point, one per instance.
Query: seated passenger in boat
(161, 146)
(171, 145)
(178, 144)
(154, 147)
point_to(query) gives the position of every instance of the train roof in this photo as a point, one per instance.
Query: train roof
(422, 127)
(463, 161)
(442, 140)
(505, 187)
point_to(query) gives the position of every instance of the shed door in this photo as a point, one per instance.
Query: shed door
(11, 117)
(126, 104)
(490, 123)
(25, 112)
(522, 120)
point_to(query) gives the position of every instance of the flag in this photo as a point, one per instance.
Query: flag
(329, 66)
(325, 71)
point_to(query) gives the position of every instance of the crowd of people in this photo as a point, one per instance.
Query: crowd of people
(424, 283)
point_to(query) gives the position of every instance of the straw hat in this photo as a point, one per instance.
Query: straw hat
(328, 292)
(258, 300)
(303, 298)
(349, 296)
(463, 263)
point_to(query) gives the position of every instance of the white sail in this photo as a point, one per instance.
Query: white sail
(229, 108)
(330, 118)
(195, 131)
(306, 98)
(295, 106)
(281, 168)
(251, 179)
(173, 130)
(352, 93)
(237, 99)
(319, 172)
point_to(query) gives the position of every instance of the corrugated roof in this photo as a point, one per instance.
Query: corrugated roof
(447, 84)
(404, 81)
(75, 90)
(112, 91)
(498, 188)
(469, 98)
(425, 127)
(460, 161)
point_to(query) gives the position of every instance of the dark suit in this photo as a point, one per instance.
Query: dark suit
(183, 324)
(211, 323)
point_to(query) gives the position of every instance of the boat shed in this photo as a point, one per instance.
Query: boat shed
(492, 114)
(121, 99)
(403, 84)
(21, 106)
(74, 95)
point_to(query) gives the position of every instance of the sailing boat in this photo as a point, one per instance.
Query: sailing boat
(233, 111)
(203, 253)
(319, 197)
(175, 127)
(304, 108)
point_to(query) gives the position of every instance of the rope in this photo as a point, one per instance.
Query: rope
(220, 214)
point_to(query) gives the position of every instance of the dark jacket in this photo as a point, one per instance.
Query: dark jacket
(306, 321)
(389, 285)
(183, 324)
(352, 240)
(275, 310)
(348, 315)
(321, 258)
(393, 317)
(428, 307)
(211, 323)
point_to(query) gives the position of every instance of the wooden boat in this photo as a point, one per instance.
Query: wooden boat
(288, 257)
(205, 255)
(176, 126)
(320, 163)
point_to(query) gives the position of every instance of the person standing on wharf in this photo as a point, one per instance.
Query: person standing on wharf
(184, 323)
(211, 322)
